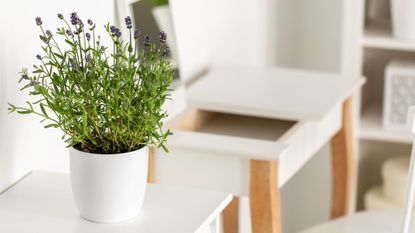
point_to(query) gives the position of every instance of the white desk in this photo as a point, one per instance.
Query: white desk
(42, 203)
(248, 130)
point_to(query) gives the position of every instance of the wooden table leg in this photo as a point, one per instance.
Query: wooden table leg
(265, 197)
(150, 174)
(342, 164)
(231, 217)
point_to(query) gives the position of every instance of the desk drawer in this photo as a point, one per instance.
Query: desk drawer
(212, 150)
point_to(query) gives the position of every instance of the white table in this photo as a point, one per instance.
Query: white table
(248, 130)
(42, 203)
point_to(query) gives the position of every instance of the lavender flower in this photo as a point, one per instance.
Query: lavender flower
(115, 31)
(38, 21)
(166, 51)
(147, 41)
(60, 16)
(69, 32)
(25, 76)
(74, 18)
(162, 37)
(128, 22)
(136, 33)
(38, 57)
(44, 39)
(48, 33)
(88, 58)
(90, 22)
(88, 36)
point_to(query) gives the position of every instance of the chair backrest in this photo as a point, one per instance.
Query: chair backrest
(410, 193)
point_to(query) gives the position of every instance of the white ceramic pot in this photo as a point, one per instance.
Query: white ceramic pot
(109, 188)
(403, 19)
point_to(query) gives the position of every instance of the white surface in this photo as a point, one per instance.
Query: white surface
(270, 92)
(24, 143)
(364, 222)
(222, 169)
(403, 19)
(371, 127)
(381, 37)
(43, 203)
(109, 187)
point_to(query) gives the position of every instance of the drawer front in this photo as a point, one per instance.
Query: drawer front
(214, 154)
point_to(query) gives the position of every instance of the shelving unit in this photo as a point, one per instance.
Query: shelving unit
(377, 47)
(380, 37)
(371, 127)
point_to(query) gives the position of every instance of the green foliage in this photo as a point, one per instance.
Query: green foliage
(160, 2)
(104, 102)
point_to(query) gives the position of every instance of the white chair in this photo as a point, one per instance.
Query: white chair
(376, 222)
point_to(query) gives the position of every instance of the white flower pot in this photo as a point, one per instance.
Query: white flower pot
(403, 19)
(109, 187)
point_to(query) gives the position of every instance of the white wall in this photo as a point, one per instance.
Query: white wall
(24, 144)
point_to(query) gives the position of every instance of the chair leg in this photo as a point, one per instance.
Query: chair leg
(231, 217)
(265, 197)
(342, 165)
(150, 173)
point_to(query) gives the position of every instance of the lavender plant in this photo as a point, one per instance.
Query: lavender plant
(104, 102)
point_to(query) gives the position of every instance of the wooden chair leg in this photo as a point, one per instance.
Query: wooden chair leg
(342, 165)
(265, 197)
(150, 174)
(231, 217)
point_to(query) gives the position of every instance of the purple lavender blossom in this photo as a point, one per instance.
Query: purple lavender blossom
(38, 57)
(25, 76)
(74, 18)
(69, 32)
(60, 16)
(128, 22)
(48, 33)
(147, 41)
(88, 36)
(88, 58)
(136, 33)
(38, 21)
(162, 37)
(166, 51)
(44, 39)
(90, 22)
(115, 31)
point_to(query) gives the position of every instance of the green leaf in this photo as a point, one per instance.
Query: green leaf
(52, 125)
(43, 110)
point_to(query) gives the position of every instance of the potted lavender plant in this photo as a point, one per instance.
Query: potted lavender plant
(107, 102)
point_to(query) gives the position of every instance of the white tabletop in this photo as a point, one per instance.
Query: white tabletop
(42, 203)
(271, 92)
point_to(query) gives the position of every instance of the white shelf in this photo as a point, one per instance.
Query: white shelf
(380, 37)
(371, 127)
